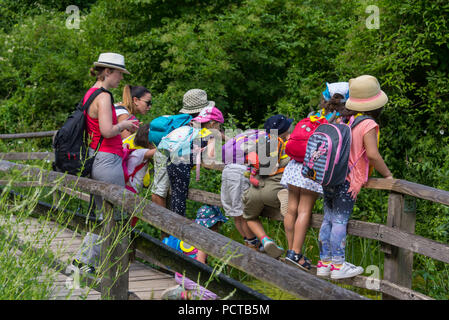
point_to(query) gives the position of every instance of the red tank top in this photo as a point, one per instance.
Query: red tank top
(109, 145)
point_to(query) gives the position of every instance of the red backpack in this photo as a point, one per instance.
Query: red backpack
(297, 143)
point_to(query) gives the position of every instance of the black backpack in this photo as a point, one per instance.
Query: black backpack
(71, 141)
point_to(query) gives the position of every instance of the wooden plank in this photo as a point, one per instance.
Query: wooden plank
(41, 134)
(393, 236)
(28, 156)
(410, 188)
(114, 256)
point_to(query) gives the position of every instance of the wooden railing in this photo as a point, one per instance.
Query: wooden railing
(398, 241)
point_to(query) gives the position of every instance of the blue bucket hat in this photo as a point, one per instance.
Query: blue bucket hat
(279, 122)
(207, 216)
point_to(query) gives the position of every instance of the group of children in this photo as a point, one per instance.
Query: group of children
(265, 181)
(288, 190)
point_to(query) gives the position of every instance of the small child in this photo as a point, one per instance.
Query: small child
(135, 164)
(186, 289)
(234, 183)
(303, 192)
(193, 101)
(179, 147)
(365, 98)
(264, 196)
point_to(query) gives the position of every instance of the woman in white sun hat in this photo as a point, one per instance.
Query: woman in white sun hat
(365, 99)
(104, 131)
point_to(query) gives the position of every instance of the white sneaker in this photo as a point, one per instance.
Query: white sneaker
(322, 269)
(347, 270)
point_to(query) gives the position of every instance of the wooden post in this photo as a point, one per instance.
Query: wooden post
(398, 262)
(114, 258)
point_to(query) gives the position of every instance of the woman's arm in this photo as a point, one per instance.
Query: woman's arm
(107, 129)
(125, 133)
(374, 157)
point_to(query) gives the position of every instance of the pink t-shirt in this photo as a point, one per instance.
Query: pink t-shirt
(358, 175)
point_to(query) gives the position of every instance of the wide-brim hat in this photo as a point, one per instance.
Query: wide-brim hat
(112, 60)
(207, 216)
(194, 101)
(278, 122)
(365, 94)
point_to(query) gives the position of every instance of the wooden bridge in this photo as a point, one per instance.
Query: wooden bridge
(397, 239)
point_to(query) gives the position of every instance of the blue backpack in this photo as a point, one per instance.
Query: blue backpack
(163, 125)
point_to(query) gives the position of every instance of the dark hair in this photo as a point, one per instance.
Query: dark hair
(141, 138)
(373, 113)
(98, 72)
(129, 92)
(334, 103)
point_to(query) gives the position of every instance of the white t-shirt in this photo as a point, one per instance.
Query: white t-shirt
(119, 110)
(134, 159)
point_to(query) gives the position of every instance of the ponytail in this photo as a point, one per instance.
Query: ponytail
(129, 92)
(128, 102)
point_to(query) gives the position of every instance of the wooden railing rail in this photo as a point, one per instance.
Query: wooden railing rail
(398, 241)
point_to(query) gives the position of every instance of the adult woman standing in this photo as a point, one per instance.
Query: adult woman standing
(104, 130)
(136, 100)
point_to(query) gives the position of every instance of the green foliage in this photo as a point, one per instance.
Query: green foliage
(255, 58)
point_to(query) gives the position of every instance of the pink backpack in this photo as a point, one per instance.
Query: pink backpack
(297, 143)
(126, 153)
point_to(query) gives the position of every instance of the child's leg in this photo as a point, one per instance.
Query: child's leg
(290, 217)
(343, 206)
(306, 202)
(242, 227)
(326, 226)
(179, 175)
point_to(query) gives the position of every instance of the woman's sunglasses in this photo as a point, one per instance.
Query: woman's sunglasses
(149, 103)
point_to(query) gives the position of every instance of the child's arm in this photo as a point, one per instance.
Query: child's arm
(211, 148)
(374, 157)
(201, 256)
(149, 154)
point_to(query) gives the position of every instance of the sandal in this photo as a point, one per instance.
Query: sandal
(293, 258)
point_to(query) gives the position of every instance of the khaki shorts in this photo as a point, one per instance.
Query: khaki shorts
(263, 201)
(161, 183)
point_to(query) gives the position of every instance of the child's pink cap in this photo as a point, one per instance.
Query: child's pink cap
(208, 114)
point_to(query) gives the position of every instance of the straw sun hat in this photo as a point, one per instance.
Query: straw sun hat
(365, 94)
(194, 101)
(111, 60)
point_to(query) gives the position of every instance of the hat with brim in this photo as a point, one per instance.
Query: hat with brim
(365, 94)
(209, 113)
(208, 216)
(194, 101)
(111, 60)
(278, 122)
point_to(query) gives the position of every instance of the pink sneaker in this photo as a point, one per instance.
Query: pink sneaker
(323, 269)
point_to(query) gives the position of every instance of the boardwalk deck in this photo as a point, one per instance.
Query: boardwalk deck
(145, 282)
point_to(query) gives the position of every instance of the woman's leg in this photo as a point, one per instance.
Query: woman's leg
(107, 167)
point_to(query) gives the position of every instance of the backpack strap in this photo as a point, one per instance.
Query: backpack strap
(86, 105)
